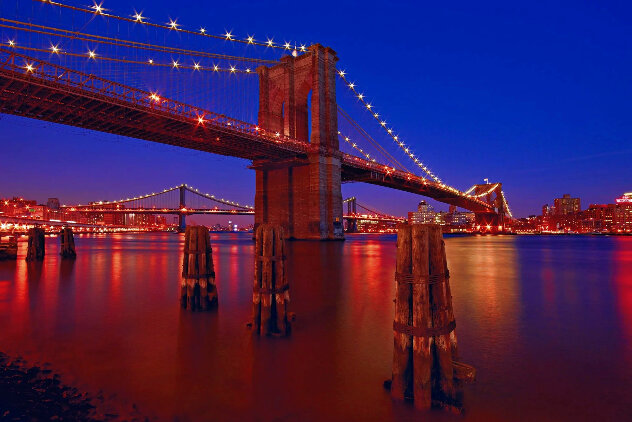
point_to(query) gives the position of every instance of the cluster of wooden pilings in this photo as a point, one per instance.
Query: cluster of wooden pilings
(425, 367)
(198, 290)
(271, 290)
(36, 248)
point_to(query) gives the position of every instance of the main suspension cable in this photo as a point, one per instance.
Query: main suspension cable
(97, 9)
(65, 33)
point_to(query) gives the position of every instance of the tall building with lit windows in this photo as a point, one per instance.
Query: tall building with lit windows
(425, 214)
(566, 205)
(623, 214)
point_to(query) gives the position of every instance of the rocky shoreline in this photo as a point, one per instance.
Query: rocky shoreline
(36, 394)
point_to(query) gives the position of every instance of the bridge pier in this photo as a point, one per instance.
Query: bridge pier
(303, 195)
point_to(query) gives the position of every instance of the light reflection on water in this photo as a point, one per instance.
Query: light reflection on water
(547, 321)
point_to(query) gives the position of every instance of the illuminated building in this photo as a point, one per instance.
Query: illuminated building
(566, 205)
(425, 214)
(623, 215)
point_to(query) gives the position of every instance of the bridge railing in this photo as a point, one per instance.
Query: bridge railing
(43, 70)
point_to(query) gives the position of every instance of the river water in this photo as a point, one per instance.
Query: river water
(546, 320)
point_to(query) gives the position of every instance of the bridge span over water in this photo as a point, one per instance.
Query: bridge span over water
(294, 147)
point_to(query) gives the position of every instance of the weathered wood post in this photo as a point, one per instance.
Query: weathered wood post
(36, 244)
(402, 341)
(198, 290)
(443, 384)
(428, 371)
(67, 243)
(422, 340)
(271, 291)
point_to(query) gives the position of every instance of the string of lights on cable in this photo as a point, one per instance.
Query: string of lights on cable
(137, 17)
(92, 55)
(362, 98)
(187, 187)
(99, 39)
(356, 147)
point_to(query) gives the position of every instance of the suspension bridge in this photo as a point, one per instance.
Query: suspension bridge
(184, 200)
(296, 147)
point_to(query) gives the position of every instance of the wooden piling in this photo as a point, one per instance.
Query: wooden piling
(36, 244)
(443, 384)
(198, 289)
(422, 363)
(271, 292)
(67, 243)
(425, 348)
(402, 341)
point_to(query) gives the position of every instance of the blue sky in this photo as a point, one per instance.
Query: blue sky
(535, 95)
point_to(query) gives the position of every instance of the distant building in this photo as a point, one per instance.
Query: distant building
(546, 210)
(425, 214)
(566, 205)
(623, 214)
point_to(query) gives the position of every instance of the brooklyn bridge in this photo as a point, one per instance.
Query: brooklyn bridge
(295, 146)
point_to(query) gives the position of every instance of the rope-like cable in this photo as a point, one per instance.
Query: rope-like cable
(370, 139)
(128, 61)
(125, 43)
(97, 10)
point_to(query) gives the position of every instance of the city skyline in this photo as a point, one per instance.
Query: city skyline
(459, 111)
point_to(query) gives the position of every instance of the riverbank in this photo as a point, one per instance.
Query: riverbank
(36, 393)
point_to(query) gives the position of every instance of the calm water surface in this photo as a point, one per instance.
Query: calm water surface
(547, 322)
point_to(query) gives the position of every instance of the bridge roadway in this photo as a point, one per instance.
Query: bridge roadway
(40, 90)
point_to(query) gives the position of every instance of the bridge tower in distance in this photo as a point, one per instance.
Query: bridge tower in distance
(302, 194)
(352, 210)
(182, 223)
(492, 193)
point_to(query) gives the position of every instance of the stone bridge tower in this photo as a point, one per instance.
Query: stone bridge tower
(303, 194)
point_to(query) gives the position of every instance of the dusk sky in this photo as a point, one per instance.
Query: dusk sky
(538, 97)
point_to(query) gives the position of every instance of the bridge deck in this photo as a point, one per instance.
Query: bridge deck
(60, 95)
